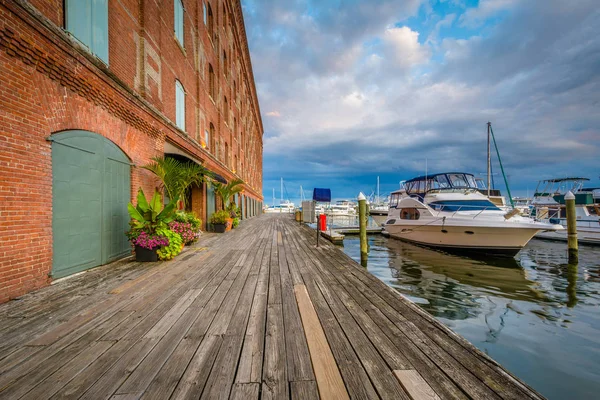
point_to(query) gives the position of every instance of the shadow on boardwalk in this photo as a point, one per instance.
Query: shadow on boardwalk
(258, 312)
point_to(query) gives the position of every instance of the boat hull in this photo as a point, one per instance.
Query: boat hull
(505, 241)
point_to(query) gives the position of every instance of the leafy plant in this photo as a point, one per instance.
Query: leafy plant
(176, 177)
(175, 244)
(219, 217)
(149, 216)
(226, 192)
(234, 211)
(236, 222)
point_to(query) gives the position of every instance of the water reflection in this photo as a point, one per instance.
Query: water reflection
(536, 314)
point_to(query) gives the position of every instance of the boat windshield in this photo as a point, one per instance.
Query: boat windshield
(463, 205)
(447, 181)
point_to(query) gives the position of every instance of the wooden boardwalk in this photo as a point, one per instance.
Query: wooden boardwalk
(258, 312)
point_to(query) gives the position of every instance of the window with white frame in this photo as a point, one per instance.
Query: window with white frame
(179, 11)
(87, 21)
(179, 105)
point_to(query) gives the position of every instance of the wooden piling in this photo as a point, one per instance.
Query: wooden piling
(362, 223)
(572, 228)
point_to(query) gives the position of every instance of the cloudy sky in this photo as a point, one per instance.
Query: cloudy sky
(350, 90)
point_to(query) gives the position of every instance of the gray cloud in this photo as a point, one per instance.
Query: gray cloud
(337, 98)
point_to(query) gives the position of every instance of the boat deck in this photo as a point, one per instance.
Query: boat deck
(258, 312)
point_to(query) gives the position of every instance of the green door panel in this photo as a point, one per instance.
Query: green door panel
(210, 202)
(91, 189)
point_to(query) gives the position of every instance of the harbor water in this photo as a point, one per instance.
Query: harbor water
(536, 315)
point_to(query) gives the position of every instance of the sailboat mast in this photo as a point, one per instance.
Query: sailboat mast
(377, 190)
(489, 160)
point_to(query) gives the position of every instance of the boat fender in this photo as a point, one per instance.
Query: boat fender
(511, 213)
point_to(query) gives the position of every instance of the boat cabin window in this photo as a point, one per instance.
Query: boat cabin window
(394, 200)
(409, 213)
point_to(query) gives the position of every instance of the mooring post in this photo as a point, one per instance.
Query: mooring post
(362, 223)
(572, 227)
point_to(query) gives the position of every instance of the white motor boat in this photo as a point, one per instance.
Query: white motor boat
(341, 207)
(548, 205)
(447, 210)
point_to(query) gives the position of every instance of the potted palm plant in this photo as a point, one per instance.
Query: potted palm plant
(219, 220)
(225, 192)
(177, 177)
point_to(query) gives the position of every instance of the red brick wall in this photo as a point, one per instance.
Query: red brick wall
(49, 84)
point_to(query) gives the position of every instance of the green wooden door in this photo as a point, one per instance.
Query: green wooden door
(91, 189)
(210, 203)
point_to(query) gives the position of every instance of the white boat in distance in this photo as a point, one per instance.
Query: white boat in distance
(285, 207)
(341, 207)
(447, 211)
(548, 205)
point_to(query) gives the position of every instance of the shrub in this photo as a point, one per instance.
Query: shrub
(219, 217)
(175, 244)
(150, 216)
(185, 229)
(236, 222)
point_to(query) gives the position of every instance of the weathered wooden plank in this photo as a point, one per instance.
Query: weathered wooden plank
(299, 365)
(167, 321)
(119, 371)
(355, 377)
(274, 383)
(193, 380)
(245, 391)
(415, 385)
(251, 358)
(164, 383)
(66, 373)
(222, 374)
(24, 377)
(327, 374)
(301, 390)
(80, 384)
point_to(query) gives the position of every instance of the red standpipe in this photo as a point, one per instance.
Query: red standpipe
(322, 222)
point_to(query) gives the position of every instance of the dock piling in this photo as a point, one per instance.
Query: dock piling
(362, 223)
(572, 228)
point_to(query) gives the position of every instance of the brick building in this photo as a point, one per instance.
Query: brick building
(90, 91)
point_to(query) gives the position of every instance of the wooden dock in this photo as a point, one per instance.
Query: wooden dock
(258, 312)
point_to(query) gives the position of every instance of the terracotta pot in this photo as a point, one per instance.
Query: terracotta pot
(229, 224)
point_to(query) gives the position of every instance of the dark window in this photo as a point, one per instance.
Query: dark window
(211, 82)
(409, 213)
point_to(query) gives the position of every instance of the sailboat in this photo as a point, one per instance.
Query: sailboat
(284, 206)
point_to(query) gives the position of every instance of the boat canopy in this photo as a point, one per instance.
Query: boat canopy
(444, 181)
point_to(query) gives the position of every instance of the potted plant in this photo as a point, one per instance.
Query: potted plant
(219, 220)
(146, 245)
(149, 225)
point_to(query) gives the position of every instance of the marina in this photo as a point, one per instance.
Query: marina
(263, 314)
(535, 314)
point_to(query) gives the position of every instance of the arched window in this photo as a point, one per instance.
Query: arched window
(210, 22)
(211, 145)
(226, 154)
(226, 110)
(211, 83)
(179, 105)
(225, 66)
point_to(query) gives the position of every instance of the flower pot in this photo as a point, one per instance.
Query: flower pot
(145, 255)
(229, 224)
(220, 228)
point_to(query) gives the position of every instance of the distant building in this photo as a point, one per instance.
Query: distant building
(90, 91)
